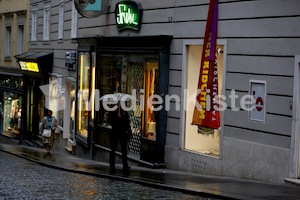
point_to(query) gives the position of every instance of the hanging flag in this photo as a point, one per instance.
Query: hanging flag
(204, 114)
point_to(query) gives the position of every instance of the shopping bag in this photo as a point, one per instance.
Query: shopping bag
(46, 133)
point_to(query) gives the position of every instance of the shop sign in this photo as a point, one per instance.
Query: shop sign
(91, 8)
(71, 60)
(205, 114)
(128, 15)
(29, 66)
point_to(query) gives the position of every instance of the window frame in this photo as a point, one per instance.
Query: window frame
(21, 33)
(8, 38)
(61, 10)
(34, 16)
(46, 24)
(186, 44)
(74, 22)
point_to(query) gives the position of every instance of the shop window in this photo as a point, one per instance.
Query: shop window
(199, 139)
(151, 116)
(10, 113)
(110, 74)
(14, 83)
(72, 110)
(117, 74)
(144, 77)
(86, 88)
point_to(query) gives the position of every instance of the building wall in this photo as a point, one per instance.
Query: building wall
(13, 13)
(55, 45)
(262, 39)
(58, 47)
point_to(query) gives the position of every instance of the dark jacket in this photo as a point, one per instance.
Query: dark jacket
(120, 125)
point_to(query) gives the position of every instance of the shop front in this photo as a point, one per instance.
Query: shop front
(138, 66)
(25, 102)
(11, 93)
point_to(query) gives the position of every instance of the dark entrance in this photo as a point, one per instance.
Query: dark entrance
(127, 64)
(35, 68)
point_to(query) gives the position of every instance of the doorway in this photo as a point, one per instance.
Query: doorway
(143, 78)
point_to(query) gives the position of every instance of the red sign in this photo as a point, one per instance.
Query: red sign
(204, 114)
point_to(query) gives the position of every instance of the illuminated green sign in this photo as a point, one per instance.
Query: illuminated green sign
(29, 66)
(128, 15)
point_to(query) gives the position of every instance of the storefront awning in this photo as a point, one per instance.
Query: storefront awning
(36, 62)
(33, 56)
(136, 44)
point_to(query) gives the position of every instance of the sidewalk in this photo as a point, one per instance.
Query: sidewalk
(211, 186)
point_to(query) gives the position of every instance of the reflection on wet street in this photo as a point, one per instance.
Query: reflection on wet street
(22, 179)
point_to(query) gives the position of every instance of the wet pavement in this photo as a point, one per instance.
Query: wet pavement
(23, 179)
(211, 186)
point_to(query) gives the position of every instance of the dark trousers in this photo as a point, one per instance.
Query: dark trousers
(114, 139)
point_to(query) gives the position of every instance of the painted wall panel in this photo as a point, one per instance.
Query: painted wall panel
(173, 125)
(264, 46)
(175, 78)
(174, 112)
(258, 137)
(274, 124)
(261, 65)
(275, 104)
(172, 140)
(176, 62)
(158, 16)
(270, 27)
(275, 84)
(254, 9)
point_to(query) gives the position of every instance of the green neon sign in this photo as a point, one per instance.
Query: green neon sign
(128, 15)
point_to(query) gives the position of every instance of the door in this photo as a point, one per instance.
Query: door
(149, 75)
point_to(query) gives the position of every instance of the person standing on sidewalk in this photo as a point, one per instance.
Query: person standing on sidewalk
(121, 131)
(19, 124)
(50, 123)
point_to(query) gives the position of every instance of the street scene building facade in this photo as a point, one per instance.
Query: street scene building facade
(20, 81)
(155, 49)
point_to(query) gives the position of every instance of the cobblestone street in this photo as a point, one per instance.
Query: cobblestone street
(22, 179)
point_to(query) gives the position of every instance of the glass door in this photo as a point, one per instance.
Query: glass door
(143, 78)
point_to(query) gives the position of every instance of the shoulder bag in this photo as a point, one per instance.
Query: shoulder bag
(46, 133)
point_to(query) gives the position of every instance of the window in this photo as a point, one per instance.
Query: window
(34, 25)
(139, 76)
(199, 139)
(21, 39)
(74, 22)
(86, 88)
(46, 27)
(61, 21)
(8, 43)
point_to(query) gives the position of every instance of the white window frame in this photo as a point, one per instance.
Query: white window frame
(61, 20)
(34, 24)
(8, 35)
(187, 43)
(74, 22)
(46, 25)
(294, 169)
